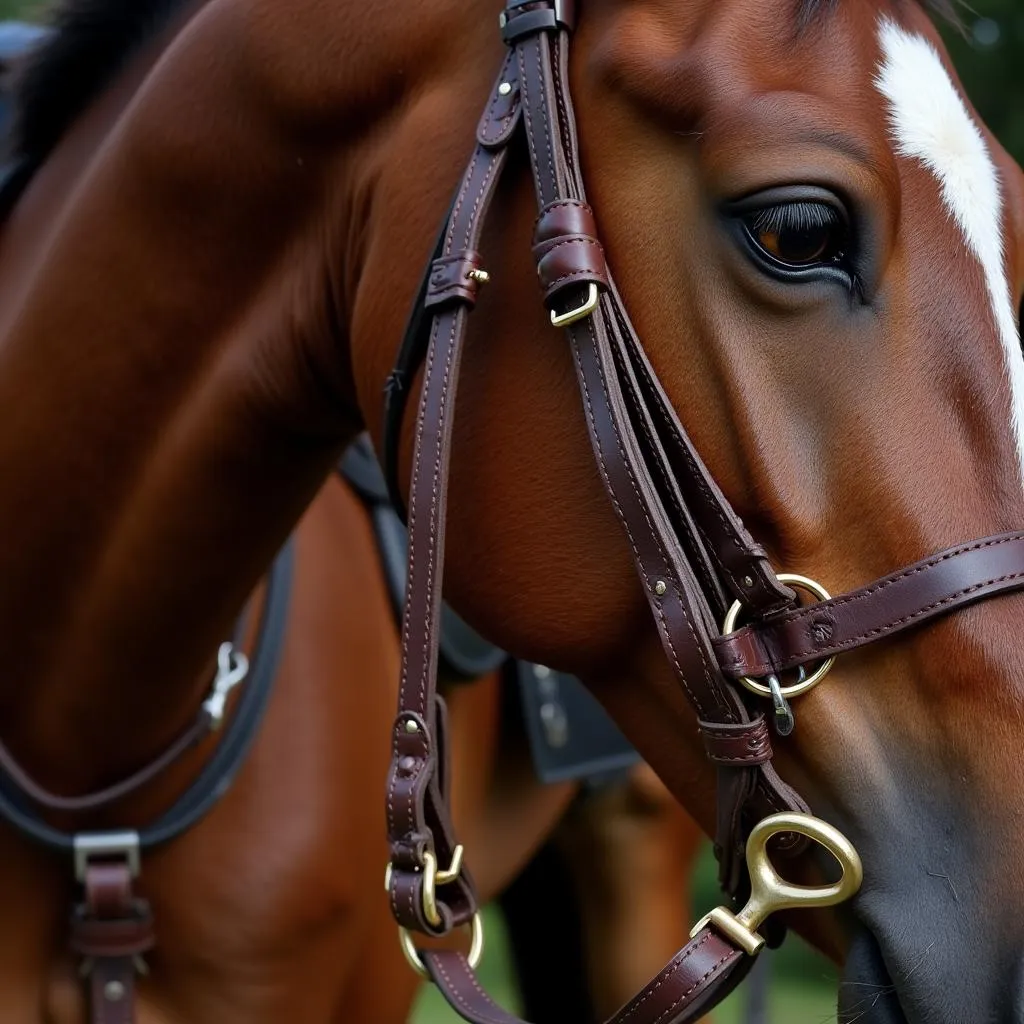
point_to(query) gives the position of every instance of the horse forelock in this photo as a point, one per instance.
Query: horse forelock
(89, 42)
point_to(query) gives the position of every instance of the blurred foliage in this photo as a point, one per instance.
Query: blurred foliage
(990, 58)
(19, 8)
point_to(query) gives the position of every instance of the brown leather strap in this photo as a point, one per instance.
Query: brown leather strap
(417, 813)
(691, 551)
(111, 929)
(932, 587)
(685, 621)
(698, 977)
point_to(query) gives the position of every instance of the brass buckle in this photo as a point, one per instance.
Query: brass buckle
(769, 892)
(476, 946)
(432, 878)
(809, 682)
(585, 308)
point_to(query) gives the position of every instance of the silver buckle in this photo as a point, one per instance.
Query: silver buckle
(91, 845)
(232, 668)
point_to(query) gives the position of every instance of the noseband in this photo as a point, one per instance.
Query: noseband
(698, 565)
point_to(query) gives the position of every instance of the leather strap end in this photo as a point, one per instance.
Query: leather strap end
(454, 279)
(501, 115)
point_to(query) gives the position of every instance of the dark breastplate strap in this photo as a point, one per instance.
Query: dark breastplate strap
(216, 777)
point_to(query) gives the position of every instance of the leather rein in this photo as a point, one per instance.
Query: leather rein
(698, 564)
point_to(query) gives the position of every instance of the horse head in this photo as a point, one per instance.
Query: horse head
(819, 245)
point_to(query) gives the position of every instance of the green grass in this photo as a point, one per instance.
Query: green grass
(802, 987)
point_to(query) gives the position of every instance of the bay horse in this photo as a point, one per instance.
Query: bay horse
(507, 813)
(201, 291)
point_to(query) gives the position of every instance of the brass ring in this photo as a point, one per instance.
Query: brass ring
(732, 618)
(770, 893)
(476, 946)
(433, 876)
(775, 890)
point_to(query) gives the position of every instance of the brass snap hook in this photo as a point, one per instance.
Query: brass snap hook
(770, 892)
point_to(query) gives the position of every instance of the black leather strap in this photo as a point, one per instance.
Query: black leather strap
(219, 772)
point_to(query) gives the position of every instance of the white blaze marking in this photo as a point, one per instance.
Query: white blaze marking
(930, 123)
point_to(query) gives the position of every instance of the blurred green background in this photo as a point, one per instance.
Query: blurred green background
(989, 55)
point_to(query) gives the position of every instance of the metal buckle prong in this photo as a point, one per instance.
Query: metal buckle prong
(433, 876)
(232, 668)
(89, 846)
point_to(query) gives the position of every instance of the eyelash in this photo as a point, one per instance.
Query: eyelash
(799, 216)
(779, 218)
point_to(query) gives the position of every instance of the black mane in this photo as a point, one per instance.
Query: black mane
(89, 42)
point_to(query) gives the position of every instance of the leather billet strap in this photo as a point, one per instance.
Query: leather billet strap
(932, 587)
(111, 929)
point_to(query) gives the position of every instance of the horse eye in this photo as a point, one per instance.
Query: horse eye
(798, 235)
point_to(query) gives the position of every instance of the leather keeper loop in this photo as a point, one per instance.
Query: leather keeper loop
(744, 744)
(450, 280)
(564, 217)
(550, 16)
(127, 936)
(566, 248)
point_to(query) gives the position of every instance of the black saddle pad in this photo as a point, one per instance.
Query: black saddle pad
(571, 736)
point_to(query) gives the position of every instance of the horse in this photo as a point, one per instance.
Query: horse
(510, 814)
(220, 226)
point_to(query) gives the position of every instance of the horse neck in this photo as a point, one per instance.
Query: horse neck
(174, 366)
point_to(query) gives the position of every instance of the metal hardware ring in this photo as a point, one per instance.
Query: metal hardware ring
(433, 876)
(476, 946)
(769, 892)
(732, 618)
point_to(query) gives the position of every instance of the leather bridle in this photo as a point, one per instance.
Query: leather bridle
(693, 555)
